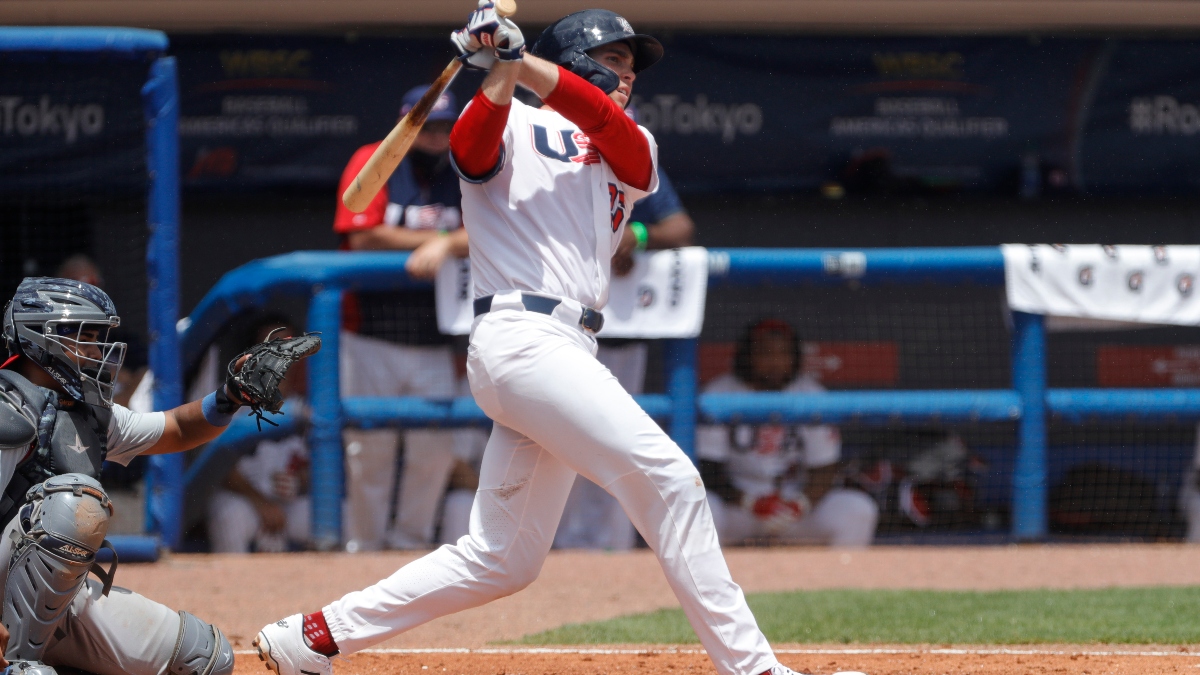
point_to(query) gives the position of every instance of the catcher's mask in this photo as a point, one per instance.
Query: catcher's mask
(63, 326)
(567, 41)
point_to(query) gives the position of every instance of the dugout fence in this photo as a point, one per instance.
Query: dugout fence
(90, 164)
(1010, 409)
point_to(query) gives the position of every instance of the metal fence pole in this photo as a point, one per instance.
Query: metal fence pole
(682, 388)
(1029, 518)
(164, 477)
(325, 437)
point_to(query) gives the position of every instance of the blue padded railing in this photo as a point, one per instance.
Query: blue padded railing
(325, 275)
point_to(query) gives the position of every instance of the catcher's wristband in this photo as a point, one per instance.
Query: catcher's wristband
(641, 234)
(218, 408)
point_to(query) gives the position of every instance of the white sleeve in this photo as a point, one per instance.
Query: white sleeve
(130, 433)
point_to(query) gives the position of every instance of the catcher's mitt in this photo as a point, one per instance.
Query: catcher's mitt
(256, 382)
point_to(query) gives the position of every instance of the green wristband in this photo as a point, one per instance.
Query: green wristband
(641, 234)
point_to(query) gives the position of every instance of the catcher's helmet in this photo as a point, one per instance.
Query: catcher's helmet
(567, 41)
(63, 326)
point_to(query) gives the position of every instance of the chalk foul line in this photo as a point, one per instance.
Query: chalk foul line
(849, 651)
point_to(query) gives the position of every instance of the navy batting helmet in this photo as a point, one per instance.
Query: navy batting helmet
(63, 325)
(567, 41)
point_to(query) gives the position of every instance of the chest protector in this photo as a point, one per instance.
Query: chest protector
(72, 437)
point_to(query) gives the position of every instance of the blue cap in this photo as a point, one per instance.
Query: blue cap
(444, 109)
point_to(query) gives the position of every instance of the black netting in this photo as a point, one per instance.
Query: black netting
(1107, 479)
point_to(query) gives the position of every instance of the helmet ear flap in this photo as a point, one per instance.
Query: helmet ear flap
(8, 332)
(591, 70)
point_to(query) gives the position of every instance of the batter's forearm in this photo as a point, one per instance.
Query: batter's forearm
(538, 76)
(475, 140)
(501, 82)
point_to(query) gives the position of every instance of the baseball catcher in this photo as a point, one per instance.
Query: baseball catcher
(58, 424)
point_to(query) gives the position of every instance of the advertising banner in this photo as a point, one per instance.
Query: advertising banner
(893, 115)
(887, 116)
(896, 115)
(71, 124)
(291, 110)
(1142, 130)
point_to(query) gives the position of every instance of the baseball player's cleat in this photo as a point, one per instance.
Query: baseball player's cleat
(281, 646)
(780, 669)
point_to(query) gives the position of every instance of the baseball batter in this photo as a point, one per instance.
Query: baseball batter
(58, 425)
(546, 194)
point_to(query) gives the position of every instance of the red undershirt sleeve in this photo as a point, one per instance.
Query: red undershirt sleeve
(615, 136)
(476, 138)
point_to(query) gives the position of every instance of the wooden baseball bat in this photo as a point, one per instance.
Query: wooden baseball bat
(391, 151)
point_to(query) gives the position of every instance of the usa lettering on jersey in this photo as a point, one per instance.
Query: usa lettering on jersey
(576, 146)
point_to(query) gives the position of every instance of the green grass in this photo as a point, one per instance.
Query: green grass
(1117, 615)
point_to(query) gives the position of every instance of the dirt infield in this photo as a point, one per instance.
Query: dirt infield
(241, 593)
(664, 661)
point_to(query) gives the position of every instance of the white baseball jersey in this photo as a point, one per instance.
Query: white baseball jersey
(549, 221)
(759, 454)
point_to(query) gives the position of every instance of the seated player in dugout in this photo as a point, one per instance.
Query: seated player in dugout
(390, 343)
(779, 482)
(58, 425)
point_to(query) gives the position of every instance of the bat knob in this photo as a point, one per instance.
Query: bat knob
(506, 8)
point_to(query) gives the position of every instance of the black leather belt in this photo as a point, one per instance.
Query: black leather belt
(590, 320)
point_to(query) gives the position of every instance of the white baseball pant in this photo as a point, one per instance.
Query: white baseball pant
(558, 411)
(593, 518)
(843, 517)
(371, 367)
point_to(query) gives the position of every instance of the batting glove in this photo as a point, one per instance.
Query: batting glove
(488, 37)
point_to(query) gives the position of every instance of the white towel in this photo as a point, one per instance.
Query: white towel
(1144, 284)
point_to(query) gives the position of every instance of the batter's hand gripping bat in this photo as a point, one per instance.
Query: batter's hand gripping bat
(392, 150)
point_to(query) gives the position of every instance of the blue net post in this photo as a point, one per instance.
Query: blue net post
(164, 477)
(1029, 520)
(683, 391)
(325, 436)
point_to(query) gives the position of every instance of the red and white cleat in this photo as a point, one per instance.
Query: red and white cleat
(281, 646)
